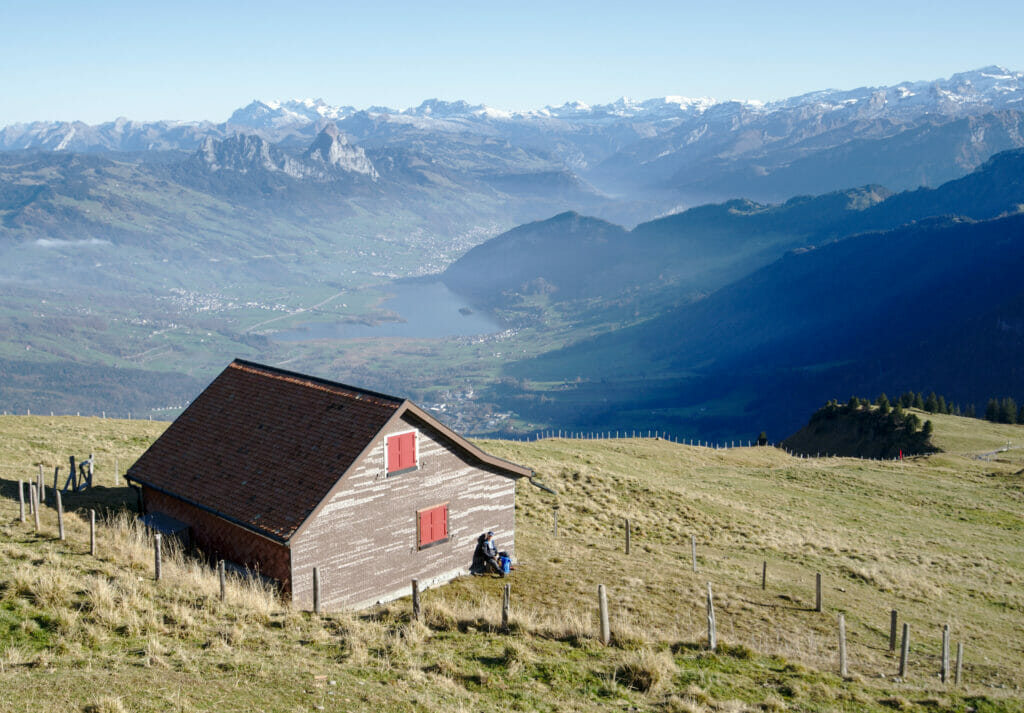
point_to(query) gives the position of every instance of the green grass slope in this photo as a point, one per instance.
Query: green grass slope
(938, 538)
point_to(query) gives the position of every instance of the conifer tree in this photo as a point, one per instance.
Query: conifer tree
(1007, 410)
(883, 403)
(992, 411)
(919, 401)
(941, 405)
(926, 430)
(931, 404)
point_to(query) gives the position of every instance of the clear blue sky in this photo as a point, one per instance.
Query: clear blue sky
(98, 60)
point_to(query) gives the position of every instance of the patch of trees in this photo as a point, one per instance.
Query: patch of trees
(997, 410)
(862, 429)
(1004, 410)
(885, 417)
(934, 404)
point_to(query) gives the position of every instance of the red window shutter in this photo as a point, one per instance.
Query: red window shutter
(393, 454)
(401, 452)
(425, 528)
(433, 525)
(441, 523)
(409, 450)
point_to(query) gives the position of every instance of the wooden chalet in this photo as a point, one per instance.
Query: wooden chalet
(281, 472)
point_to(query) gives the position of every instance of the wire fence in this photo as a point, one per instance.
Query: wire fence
(664, 436)
(162, 414)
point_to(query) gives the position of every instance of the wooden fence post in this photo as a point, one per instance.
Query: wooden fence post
(223, 577)
(416, 600)
(693, 551)
(602, 608)
(92, 533)
(35, 504)
(316, 591)
(157, 559)
(944, 671)
(40, 485)
(506, 606)
(117, 469)
(60, 516)
(21, 500)
(959, 663)
(627, 535)
(712, 634)
(892, 631)
(904, 649)
(555, 520)
(817, 592)
(842, 646)
(764, 574)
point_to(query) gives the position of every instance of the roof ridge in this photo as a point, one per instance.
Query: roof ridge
(313, 382)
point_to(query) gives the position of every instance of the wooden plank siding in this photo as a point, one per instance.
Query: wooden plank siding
(364, 538)
(221, 539)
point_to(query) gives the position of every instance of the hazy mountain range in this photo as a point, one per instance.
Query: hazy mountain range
(776, 307)
(688, 150)
(738, 261)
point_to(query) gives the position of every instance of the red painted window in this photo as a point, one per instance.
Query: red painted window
(401, 452)
(432, 525)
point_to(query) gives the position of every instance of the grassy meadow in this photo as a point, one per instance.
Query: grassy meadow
(938, 538)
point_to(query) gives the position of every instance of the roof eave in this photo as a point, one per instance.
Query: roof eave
(131, 477)
(512, 469)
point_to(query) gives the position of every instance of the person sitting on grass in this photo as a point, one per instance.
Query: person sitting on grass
(490, 554)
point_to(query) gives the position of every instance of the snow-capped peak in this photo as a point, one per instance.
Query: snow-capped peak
(965, 93)
(442, 109)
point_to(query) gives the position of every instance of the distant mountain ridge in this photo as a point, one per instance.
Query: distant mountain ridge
(935, 306)
(918, 290)
(964, 93)
(688, 150)
(703, 248)
(329, 154)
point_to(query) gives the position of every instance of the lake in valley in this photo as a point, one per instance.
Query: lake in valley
(430, 311)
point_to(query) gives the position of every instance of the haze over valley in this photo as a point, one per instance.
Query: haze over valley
(704, 268)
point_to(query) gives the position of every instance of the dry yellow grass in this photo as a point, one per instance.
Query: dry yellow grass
(937, 538)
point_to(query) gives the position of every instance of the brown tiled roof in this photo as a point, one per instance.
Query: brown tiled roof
(262, 446)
